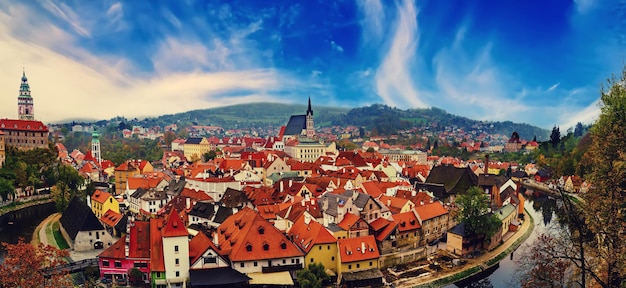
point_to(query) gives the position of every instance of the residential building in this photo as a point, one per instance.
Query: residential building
(359, 262)
(130, 251)
(101, 202)
(433, 218)
(82, 228)
(2, 149)
(258, 249)
(318, 244)
(24, 134)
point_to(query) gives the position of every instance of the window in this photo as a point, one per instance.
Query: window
(358, 265)
(176, 248)
(332, 258)
(283, 245)
(311, 260)
(177, 273)
(249, 247)
(255, 264)
(177, 261)
(105, 263)
(266, 246)
(118, 264)
(350, 266)
(370, 263)
(242, 265)
(320, 247)
(284, 261)
(210, 260)
(140, 265)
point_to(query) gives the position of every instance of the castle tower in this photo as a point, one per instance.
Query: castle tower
(95, 147)
(25, 107)
(310, 129)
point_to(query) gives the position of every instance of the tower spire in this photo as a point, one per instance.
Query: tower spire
(309, 110)
(25, 106)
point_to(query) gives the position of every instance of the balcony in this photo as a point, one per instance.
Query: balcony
(281, 268)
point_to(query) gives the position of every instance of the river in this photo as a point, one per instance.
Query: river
(542, 209)
(22, 223)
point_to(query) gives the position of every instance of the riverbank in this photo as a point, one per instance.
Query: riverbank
(475, 265)
(22, 203)
(48, 233)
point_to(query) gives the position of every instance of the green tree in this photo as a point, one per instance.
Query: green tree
(68, 183)
(474, 208)
(6, 189)
(555, 137)
(313, 276)
(209, 156)
(135, 276)
(605, 204)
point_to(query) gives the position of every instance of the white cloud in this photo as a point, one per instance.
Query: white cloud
(335, 46)
(553, 87)
(582, 6)
(67, 14)
(587, 115)
(70, 82)
(372, 18)
(394, 79)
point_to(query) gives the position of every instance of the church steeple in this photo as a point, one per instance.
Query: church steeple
(309, 111)
(25, 107)
(310, 129)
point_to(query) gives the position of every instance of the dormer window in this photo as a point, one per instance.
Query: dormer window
(266, 246)
(248, 247)
(261, 230)
(283, 245)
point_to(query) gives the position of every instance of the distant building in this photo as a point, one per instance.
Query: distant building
(25, 133)
(300, 125)
(2, 152)
(514, 144)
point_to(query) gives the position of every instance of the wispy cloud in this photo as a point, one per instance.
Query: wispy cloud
(553, 87)
(68, 15)
(394, 78)
(372, 20)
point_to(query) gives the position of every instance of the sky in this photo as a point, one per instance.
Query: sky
(536, 62)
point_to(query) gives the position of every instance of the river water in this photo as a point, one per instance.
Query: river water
(542, 209)
(22, 223)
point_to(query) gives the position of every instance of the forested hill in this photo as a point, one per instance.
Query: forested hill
(382, 119)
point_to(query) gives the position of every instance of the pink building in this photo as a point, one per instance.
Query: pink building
(117, 260)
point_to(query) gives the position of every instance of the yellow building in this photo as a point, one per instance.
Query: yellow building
(101, 202)
(127, 170)
(318, 244)
(358, 258)
(194, 148)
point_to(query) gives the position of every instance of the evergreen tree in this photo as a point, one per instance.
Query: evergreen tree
(578, 131)
(555, 137)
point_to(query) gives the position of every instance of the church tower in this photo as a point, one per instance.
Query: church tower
(25, 107)
(95, 147)
(310, 129)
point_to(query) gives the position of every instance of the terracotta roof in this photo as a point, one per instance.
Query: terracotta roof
(372, 188)
(100, 196)
(406, 221)
(348, 221)
(198, 245)
(111, 218)
(307, 232)
(246, 236)
(357, 249)
(157, 263)
(115, 251)
(139, 240)
(174, 225)
(22, 125)
(430, 210)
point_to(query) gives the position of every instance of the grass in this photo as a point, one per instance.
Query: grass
(58, 237)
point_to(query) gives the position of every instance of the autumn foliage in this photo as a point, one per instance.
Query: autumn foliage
(24, 265)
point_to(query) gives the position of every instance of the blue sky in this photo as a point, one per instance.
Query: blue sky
(538, 62)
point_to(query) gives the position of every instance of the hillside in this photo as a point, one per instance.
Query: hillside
(382, 119)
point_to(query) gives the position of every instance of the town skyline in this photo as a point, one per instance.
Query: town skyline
(100, 60)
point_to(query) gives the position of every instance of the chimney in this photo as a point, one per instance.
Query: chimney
(307, 218)
(413, 193)
(388, 202)
(215, 239)
(188, 204)
(422, 203)
(282, 188)
(363, 247)
(290, 183)
(486, 164)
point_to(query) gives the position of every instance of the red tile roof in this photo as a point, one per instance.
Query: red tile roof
(22, 125)
(198, 245)
(430, 210)
(111, 218)
(307, 232)
(246, 236)
(157, 263)
(357, 249)
(139, 240)
(406, 221)
(174, 225)
(116, 251)
(100, 196)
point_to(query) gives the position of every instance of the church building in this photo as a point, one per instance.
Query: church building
(299, 138)
(24, 133)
